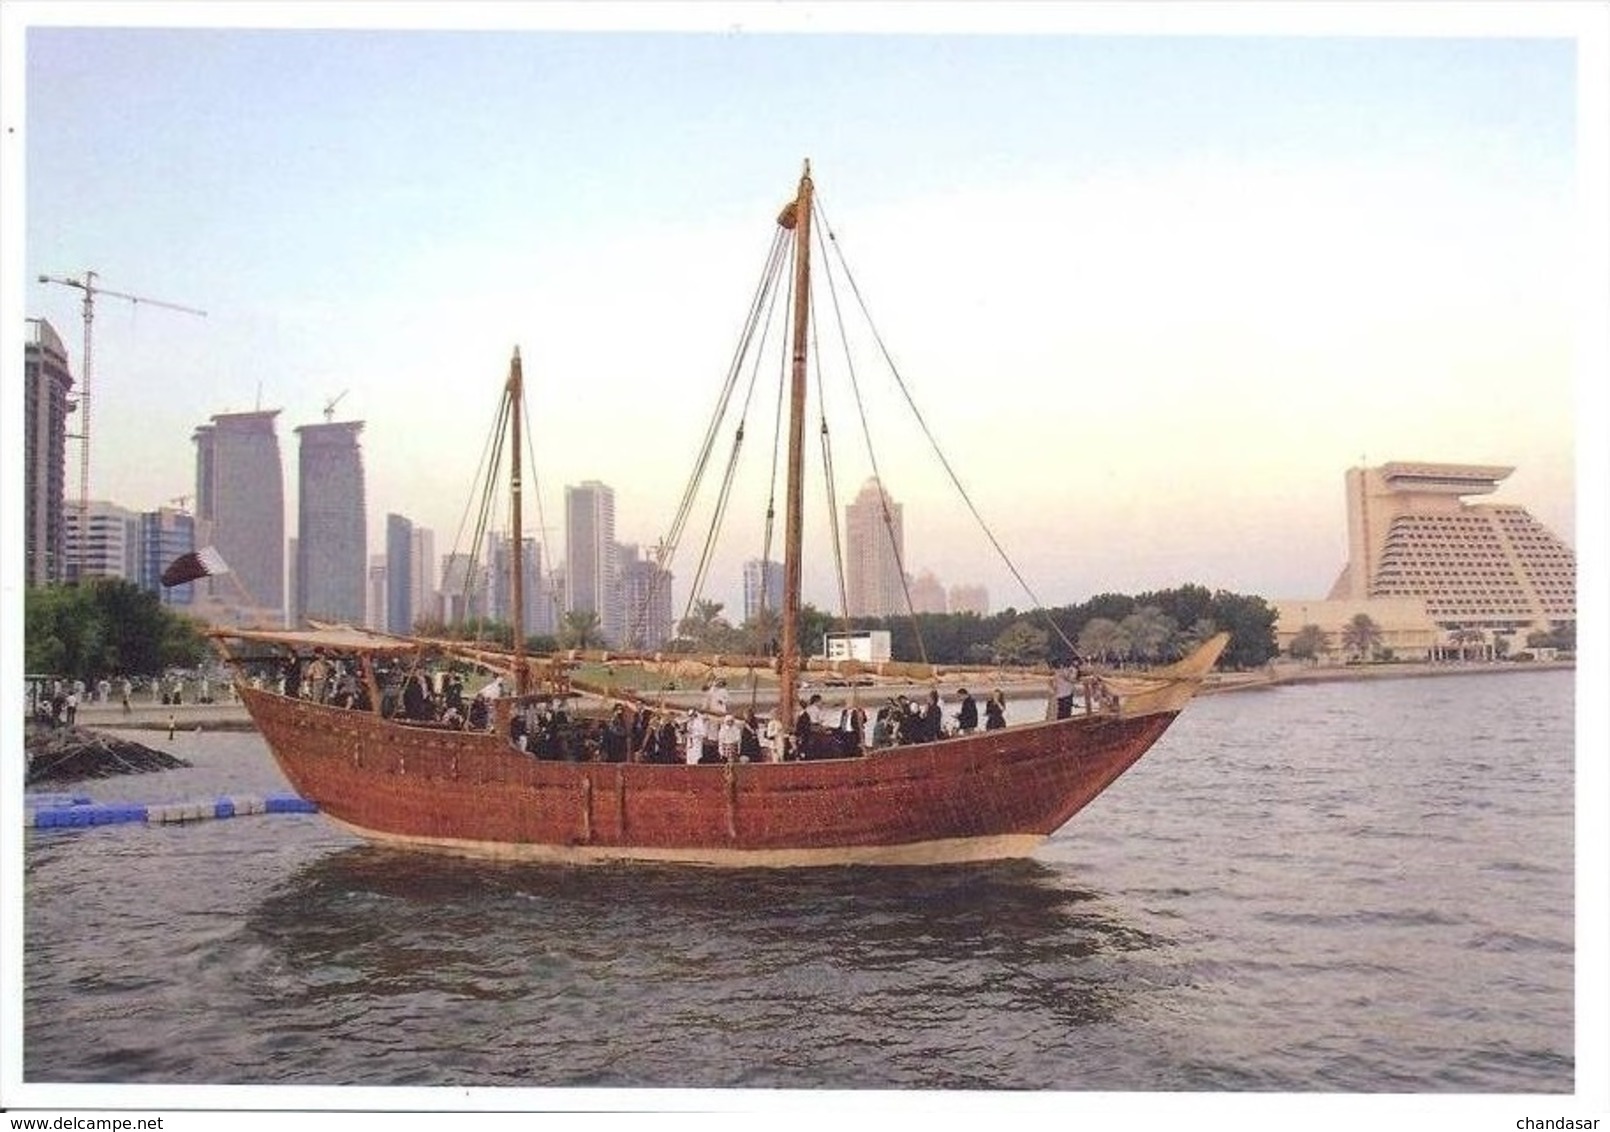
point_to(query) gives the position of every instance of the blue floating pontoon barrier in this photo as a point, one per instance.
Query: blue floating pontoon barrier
(56, 811)
(42, 801)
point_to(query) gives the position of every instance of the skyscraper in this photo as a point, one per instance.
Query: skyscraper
(165, 534)
(111, 547)
(46, 384)
(399, 613)
(332, 529)
(874, 549)
(375, 617)
(423, 597)
(591, 569)
(464, 589)
(538, 607)
(240, 510)
(645, 600)
(763, 583)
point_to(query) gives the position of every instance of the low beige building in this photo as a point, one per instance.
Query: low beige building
(1406, 629)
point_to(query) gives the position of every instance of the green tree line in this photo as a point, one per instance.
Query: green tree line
(107, 627)
(111, 627)
(1148, 628)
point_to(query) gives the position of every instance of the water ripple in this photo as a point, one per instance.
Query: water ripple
(1361, 888)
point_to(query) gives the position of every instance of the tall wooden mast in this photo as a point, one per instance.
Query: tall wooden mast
(515, 392)
(796, 216)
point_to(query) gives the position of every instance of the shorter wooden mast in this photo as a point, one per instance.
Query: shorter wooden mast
(514, 390)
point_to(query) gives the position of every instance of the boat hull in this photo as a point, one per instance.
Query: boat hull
(984, 796)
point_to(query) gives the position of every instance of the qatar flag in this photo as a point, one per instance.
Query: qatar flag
(203, 563)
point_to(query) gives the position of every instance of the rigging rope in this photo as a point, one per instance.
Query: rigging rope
(866, 430)
(487, 471)
(482, 524)
(550, 590)
(830, 478)
(673, 537)
(934, 443)
(776, 451)
(725, 494)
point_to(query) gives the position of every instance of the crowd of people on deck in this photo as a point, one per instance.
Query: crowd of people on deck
(712, 734)
(325, 677)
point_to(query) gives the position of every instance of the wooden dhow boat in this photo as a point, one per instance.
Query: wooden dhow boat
(471, 787)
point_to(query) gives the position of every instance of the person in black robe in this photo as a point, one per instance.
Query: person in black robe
(669, 743)
(616, 736)
(416, 703)
(995, 712)
(802, 734)
(749, 741)
(933, 719)
(967, 716)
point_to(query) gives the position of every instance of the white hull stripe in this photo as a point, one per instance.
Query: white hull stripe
(950, 850)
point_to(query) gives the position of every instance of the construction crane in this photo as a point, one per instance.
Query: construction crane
(329, 406)
(87, 285)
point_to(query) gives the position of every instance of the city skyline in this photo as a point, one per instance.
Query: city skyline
(330, 466)
(1273, 241)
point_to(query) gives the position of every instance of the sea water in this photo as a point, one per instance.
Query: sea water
(1352, 887)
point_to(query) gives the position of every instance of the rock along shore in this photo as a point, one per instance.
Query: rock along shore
(71, 754)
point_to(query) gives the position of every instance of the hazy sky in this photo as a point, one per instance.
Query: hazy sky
(1153, 294)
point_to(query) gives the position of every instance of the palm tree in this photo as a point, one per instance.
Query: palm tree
(1308, 643)
(581, 629)
(1462, 639)
(704, 625)
(762, 631)
(1361, 636)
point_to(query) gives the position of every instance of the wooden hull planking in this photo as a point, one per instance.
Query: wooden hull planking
(984, 796)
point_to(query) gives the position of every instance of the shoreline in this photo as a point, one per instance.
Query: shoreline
(1288, 674)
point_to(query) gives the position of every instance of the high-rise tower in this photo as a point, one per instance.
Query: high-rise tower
(763, 585)
(165, 534)
(424, 598)
(645, 599)
(399, 616)
(332, 530)
(874, 542)
(47, 381)
(111, 546)
(240, 510)
(591, 571)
